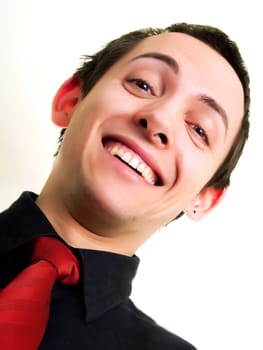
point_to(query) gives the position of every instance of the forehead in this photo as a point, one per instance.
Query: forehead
(183, 46)
(186, 50)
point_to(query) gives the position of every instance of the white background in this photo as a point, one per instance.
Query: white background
(203, 280)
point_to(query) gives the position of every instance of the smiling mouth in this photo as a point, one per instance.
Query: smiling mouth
(132, 160)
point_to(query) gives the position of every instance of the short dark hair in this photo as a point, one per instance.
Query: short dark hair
(93, 67)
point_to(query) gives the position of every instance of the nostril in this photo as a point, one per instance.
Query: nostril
(163, 138)
(143, 123)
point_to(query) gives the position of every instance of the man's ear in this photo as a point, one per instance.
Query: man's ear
(204, 202)
(65, 100)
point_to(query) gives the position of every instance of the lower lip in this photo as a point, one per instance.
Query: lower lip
(124, 169)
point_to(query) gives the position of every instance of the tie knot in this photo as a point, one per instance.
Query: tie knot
(60, 256)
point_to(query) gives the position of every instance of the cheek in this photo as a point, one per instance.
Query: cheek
(196, 170)
(109, 98)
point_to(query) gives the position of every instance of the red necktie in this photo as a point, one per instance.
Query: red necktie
(25, 302)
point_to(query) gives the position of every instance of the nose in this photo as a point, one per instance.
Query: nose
(156, 128)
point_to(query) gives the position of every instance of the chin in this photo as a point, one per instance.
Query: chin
(101, 204)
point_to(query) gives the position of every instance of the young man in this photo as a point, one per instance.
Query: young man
(155, 123)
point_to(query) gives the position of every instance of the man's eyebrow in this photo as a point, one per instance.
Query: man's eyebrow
(170, 61)
(211, 102)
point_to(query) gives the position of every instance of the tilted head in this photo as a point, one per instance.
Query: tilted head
(176, 100)
(95, 66)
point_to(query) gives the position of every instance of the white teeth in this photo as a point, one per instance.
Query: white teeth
(141, 167)
(146, 171)
(134, 162)
(126, 157)
(147, 174)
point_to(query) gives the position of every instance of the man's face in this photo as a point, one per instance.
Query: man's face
(150, 134)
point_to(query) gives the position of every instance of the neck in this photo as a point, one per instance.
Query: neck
(79, 236)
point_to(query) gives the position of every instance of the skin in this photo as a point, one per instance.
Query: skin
(181, 119)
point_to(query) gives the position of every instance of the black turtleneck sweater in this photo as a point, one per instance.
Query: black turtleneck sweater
(97, 313)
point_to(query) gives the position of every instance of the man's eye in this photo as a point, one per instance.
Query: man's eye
(142, 84)
(200, 132)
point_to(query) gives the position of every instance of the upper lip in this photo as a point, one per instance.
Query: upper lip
(144, 155)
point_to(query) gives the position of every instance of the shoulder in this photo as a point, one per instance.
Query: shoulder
(13, 254)
(14, 239)
(143, 331)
